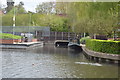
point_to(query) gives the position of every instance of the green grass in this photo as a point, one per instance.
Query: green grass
(105, 46)
(9, 36)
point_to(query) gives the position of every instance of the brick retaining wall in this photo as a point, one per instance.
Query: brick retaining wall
(9, 41)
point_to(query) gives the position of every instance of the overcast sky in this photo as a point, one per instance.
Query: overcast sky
(29, 5)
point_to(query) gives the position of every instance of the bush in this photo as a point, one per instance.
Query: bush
(83, 40)
(105, 46)
(9, 36)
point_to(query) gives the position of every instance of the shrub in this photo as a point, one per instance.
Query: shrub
(83, 40)
(9, 36)
(105, 46)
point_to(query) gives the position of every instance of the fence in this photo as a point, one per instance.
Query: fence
(41, 33)
(17, 30)
(56, 36)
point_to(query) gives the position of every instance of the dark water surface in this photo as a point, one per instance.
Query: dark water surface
(51, 62)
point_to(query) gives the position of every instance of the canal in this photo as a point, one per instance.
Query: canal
(51, 62)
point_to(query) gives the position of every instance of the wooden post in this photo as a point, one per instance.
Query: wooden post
(68, 35)
(55, 35)
(62, 35)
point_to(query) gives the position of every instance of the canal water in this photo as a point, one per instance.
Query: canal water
(51, 62)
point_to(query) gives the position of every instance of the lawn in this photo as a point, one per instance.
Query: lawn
(9, 36)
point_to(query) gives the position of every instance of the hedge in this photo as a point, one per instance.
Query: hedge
(9, 36)
(105, 46)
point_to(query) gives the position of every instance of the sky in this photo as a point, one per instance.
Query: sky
(29, 5)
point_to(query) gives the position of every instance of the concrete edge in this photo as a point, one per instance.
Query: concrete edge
(114, 57)
(20, 46)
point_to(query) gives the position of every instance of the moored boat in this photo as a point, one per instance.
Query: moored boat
(74, 45)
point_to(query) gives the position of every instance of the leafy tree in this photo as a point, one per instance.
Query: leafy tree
(93, 17)
(9, 7)
(45, 7)
(19, 9)
(55, 22)
(7, 20)
(61, 7)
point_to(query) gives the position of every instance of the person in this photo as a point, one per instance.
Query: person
(22, 37)
(26, 39)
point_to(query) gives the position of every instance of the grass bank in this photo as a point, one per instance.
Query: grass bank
(9, 36)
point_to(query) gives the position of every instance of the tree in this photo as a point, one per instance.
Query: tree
(10, 5)
(19, 9)
(61, 7)
(94, 18)
(45, 8)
